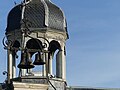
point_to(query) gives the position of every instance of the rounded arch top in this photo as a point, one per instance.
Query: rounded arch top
(54, 45)
(34, 44)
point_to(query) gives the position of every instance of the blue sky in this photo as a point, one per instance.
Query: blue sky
(93, 50)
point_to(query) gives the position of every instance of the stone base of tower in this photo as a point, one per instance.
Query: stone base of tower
(36, 83)
(29, 86)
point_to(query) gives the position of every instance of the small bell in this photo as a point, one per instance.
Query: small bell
(26, 62)
(22, 63)
(38, 60)
(29, 63)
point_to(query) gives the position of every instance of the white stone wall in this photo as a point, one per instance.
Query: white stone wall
(29, 86)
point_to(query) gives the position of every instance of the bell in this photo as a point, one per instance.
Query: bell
(26, 62)
(38, 60)
(23, 61)
(29, 63)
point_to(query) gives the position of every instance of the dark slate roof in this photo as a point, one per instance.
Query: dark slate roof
(57, 17)
(36, 14)
(14, 18)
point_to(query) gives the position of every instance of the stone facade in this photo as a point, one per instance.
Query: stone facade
(29, 86)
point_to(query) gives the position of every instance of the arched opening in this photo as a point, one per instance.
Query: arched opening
(29, 60)
(35, 44)
(54, 48)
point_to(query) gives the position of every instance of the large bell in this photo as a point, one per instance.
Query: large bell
(38, 60)
(29, 63)
(26, 62)
(23, 61)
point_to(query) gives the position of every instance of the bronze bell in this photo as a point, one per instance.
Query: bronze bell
(38, 60)
(26, 62)
(29, 63)
(23, 61)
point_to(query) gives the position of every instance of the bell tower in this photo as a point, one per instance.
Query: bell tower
(36, 29)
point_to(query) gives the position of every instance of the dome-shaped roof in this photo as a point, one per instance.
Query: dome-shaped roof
(36, 14)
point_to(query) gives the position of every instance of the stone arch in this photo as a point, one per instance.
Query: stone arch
(34, 44)
(54, 49)
(53, 46)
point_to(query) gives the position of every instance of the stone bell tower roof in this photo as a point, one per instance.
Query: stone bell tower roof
(36, 15)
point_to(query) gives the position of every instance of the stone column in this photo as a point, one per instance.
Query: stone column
(44, 66)
(9, 65)
(59, 64)
(14, 64)
(63, 56)
(23, 72)
(50, 65)
(63, 65)
(46, 59)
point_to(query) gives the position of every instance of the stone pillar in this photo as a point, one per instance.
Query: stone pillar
(59, 64)
(50, 65)
(14, 64)
(23, 72)
(9, 65)
(44, 66)
(63, 65)
(46, 59)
